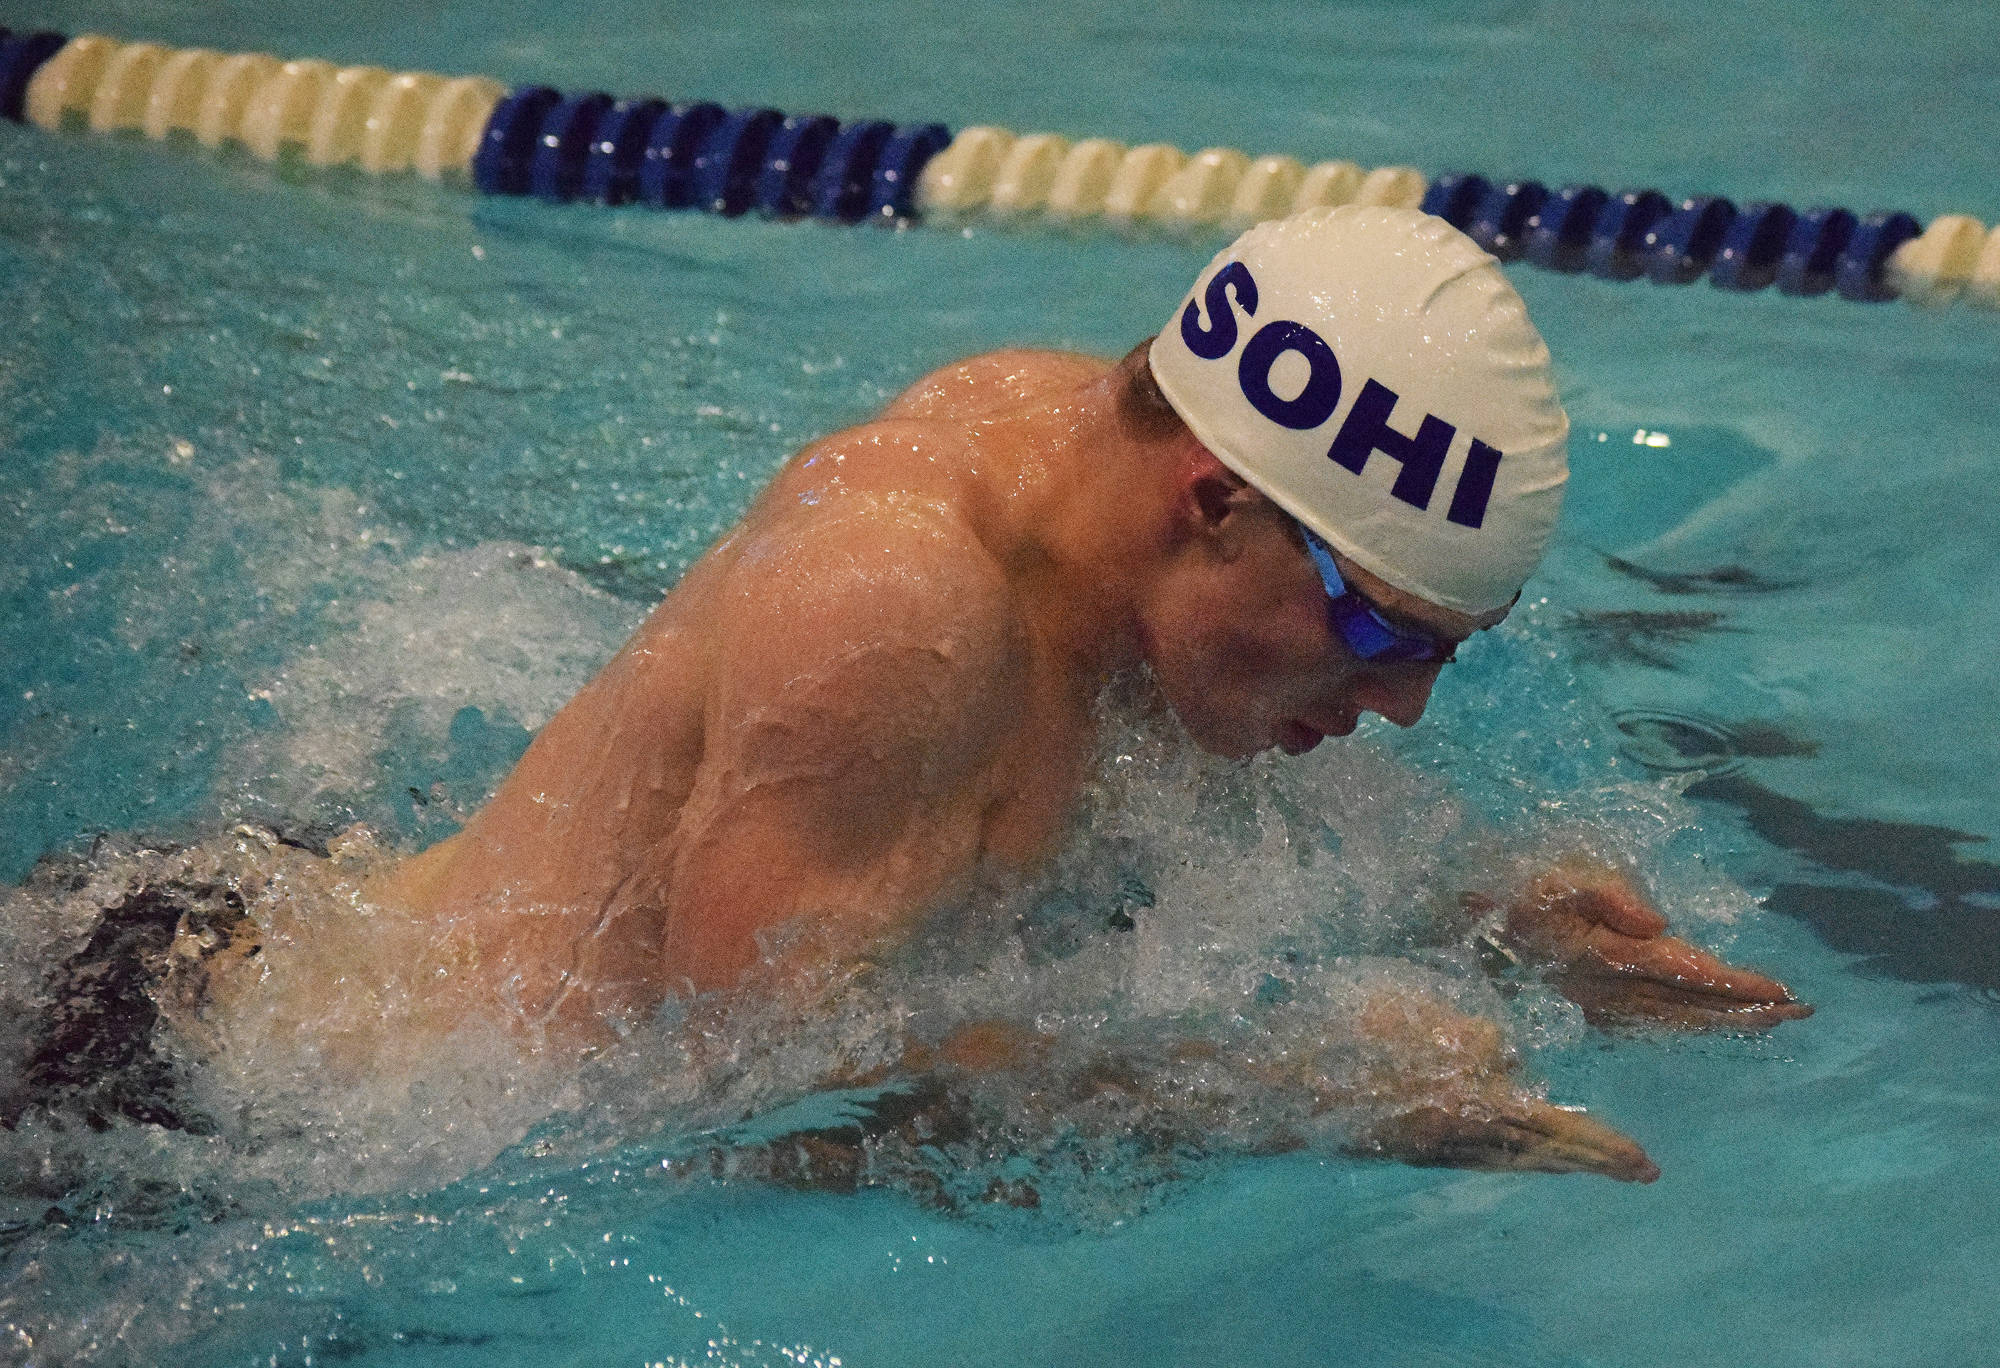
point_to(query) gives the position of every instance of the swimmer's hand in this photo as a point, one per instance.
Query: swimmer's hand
(1445, 1094)
(1604, 946)
(1507, 1132)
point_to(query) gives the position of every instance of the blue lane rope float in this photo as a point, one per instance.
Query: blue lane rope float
(20, 58)
(791, 159)
(500, 166)
(666, 170)
(1747, 257)
(840, 189)
(590, 147)
(1641, 232)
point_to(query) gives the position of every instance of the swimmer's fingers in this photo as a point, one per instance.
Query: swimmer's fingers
(1607, 949)
(1574, 896)
(1614, 903)
(1664, 981)
(1512, 1133)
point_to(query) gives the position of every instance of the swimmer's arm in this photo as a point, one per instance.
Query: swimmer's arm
(1474, 1115)
(994, 380)
(858, 694)
(1603, 944)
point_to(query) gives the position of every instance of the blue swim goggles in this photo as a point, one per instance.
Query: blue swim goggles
(1360, 624)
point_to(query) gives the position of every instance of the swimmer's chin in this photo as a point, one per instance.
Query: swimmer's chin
(1296, 738)
(1246, 749)
(1291, 737)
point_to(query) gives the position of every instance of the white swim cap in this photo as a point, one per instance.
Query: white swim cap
(1372, 372)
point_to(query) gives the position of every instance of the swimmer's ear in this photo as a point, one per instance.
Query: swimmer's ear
(1212, 497)
(1220, 513)
(1213, 490)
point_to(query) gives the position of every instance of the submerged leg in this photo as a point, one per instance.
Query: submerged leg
(1506, 1132)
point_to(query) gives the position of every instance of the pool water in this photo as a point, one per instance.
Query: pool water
(320, 494)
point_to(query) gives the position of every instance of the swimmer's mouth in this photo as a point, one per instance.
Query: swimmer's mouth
(1296, 737)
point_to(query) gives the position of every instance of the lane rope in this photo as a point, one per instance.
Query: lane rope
(378, 120)
(536, 140)
(1643, 233)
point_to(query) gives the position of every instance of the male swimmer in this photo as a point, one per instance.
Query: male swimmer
(1341, 458)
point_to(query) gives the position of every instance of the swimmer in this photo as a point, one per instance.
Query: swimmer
(1340, 459)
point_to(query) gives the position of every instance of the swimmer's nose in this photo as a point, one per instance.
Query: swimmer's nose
(1400, 697)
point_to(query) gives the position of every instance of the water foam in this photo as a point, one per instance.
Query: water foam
(1215, 940)
(1255, 911)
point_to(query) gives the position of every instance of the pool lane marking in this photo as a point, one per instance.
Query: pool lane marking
(698, 155)
(995, 171)
(381, 121)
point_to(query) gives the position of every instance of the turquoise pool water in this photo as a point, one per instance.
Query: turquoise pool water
(319, 494)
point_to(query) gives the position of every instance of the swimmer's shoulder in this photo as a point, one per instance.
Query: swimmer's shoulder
(918, 443)
(892, 570)
(881, 647)
(992, 382)
(873, 542)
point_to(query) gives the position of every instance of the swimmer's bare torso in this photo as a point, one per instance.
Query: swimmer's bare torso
(845, 709)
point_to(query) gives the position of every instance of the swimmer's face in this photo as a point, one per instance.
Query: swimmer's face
(1241, 643)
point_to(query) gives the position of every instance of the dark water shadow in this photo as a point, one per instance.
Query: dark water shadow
(1650, 637)
(1900, 894)
(1633, 637)
(1723, 579)
(1932, 916)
